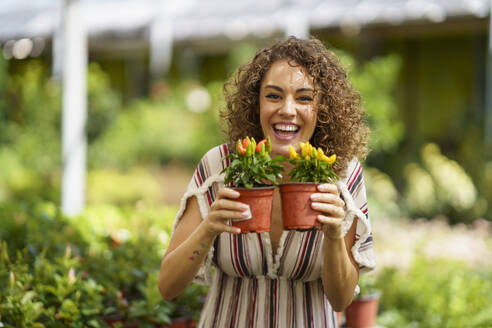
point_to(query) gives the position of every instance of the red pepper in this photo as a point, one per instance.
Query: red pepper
(258, 146)
(245, 143)
(240, 149)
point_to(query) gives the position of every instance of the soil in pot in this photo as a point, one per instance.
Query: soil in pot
(260, 203)
(296, 206)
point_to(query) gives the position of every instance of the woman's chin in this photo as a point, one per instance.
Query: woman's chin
(280, 151)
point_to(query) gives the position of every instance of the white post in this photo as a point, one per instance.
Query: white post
(296, 23)
(74, 116)
(57, 43)
(161, 45)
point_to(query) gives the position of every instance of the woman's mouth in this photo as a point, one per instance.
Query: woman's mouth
(285, 131)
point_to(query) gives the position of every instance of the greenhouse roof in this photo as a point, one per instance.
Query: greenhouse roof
(194, 19)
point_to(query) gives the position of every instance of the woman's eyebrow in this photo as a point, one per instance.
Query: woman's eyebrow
(304, 89)
(274, 87)
(280, 89)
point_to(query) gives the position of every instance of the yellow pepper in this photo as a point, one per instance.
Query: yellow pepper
(304, 149)
(293, 154)
(311, 150)
(320, 154)
(331, 159)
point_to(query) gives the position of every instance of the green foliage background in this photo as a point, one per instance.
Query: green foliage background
(58, 281)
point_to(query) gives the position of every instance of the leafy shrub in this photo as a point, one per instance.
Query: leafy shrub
(153, 133)
(104, 103)
(435, 293)
(30, 128)
(383, 198)
(105, 186)
(46, 292)
(376, 80)
(440, 186)
(80, 272)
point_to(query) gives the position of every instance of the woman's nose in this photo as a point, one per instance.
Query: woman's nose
(288, 107)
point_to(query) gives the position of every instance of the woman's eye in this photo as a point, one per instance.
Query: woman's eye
(273, 96)
(305, 98)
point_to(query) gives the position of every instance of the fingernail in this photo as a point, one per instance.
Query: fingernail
(236, 193)
(244, 207)
(314, 197)
(315, 204)
(247, 214)
(321, 187)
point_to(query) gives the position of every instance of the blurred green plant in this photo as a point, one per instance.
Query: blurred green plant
(29, 137)
(240, 55)
(150, 132)
(383, 198)
(368, 286)
(439, 186)
(435, 293)
(376, 80)
(85, 271)
(30, 124)
(105, 186)
(104, 103)
(47, 292)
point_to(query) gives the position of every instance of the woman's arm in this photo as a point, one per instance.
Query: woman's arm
(340, 271)
(193, 238)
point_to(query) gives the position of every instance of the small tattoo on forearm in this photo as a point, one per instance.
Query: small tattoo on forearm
(196, 252)
(202, 244)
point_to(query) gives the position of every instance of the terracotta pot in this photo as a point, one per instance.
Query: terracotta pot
(259, 200)
(296, 206)
(362, 312)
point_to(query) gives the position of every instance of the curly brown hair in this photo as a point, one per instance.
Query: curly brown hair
(340, 128)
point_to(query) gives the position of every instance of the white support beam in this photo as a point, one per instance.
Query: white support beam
(296, 23)
(57, 44)
(74, 115)
(161, 46)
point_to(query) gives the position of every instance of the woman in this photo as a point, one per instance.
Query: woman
(294, 91)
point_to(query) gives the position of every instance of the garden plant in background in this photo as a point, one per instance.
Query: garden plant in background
(311, 168)
(103, 264)
(363, 310)
(253, 173)
(96, 270)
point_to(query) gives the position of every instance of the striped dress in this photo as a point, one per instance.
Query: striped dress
(252, 287)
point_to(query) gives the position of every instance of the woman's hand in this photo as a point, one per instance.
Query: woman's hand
(328, 202)
(224, 208)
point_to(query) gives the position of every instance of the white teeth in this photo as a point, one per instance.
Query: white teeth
(285, 127)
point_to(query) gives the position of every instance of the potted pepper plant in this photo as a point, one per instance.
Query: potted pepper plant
(362, 312)
(311, 168)
(253, 173)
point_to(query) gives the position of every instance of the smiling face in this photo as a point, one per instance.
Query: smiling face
(288, 107)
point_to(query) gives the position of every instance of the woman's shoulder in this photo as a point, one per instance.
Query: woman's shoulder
(217, 153)
(354, 169)
(214, 160)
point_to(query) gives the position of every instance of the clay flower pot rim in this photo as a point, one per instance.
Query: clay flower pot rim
(306, 183)
(245, 188)
(369, 296)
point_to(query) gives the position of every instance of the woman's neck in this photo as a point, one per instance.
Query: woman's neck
(285, 175)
